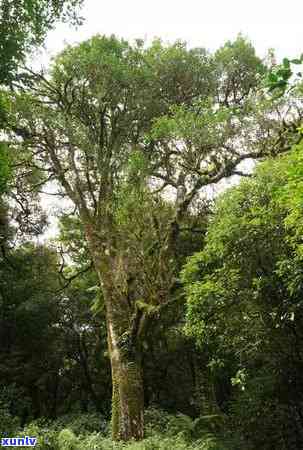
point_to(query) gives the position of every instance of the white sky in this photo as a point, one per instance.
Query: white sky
(209, 23)
(268, 23)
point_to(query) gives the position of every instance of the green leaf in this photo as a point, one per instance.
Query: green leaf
(272, 78)
(296, 61)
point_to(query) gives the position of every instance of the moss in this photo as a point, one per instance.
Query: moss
(115, 420)
(127, 401)
(133, 404)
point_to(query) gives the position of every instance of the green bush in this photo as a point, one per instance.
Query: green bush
(8, 423)
(204, 428)
(46, 437)
(156, 421)
(82, 423)
(9, 395)
(262, 421)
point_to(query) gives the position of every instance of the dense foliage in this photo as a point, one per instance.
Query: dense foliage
(23, 27)
(156, 314)
(245, 302)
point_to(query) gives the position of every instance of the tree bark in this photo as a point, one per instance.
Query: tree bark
(127, 380)
(127, 397)
(124, 351)
(86, 372)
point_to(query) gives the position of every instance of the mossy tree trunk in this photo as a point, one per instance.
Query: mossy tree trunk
(127, 398)
(123, 329)
(126, 369)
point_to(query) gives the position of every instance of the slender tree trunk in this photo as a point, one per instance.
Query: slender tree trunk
(86, 372)
(55, 397)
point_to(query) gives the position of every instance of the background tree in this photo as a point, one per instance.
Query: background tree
(23, 27)
(50, 338)
(245, 306)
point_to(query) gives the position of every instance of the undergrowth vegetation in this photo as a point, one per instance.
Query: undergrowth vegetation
(90, 432)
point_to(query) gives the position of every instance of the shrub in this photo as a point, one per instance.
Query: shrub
(156, 421)
(46, 437)
(82, 423)
(8, 423)
(205, 428)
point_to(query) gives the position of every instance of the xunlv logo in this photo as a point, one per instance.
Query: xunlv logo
(19, 442)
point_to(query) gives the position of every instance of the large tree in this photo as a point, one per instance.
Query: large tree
(132, 134)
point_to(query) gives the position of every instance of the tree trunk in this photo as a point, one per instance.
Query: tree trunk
(88, 383)
(127, 400)
(125, 354)
(127, 382)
